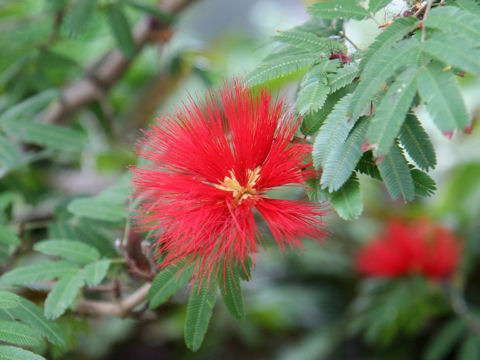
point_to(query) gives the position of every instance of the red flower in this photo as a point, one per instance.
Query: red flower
(418, 247)
(211, 166)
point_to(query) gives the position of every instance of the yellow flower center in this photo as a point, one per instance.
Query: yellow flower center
(239, 192)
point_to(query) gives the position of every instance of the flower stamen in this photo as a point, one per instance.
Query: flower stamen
(239, 192)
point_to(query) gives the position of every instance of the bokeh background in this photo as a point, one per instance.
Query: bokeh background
(307, 305)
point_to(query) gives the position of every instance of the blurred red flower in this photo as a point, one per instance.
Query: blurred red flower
(210, 166)
(420, 247)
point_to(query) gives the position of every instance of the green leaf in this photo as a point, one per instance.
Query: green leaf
(367, 165)
(18, 334)
(8, 237)
(444, 102)
(313, 90)
(280, 64)
(444, 340)
(232, 293)
(348, 9)
(375, 5)
(118, 192)
(424, 184)
(89, 232)
(166, 283)
(383, 67)
(15, 353)
(120, 29)
(385, 125)
(97, 209)
(344, 76)
(63, 294)
(347, 201)
(333, 132)
(470, 349)
(199, 311)
(452, 20)
(68, 249)
(396, 174)
(416, 142)
(344, 158)
(152, 10)
(52, 136)
(29, 313)
(469, 5)
(304, 40)
(8, 300)
(79, 15)
(39, 272)
(95, 272)
(387, 39)
(10, 156)
(28, 107)
(454, 51)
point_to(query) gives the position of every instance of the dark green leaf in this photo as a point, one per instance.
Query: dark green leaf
(367, 165)
(38, 272)
(417, 143)
(347, 200)
(63, 294)
(79, 15)
(96, 271)
(10, 156)
(348, 9)
(390, 115)
(444, 102)
(199, 311)
(396, 174)
(424, 184)
(333, 132)
(68, 249)
(18, 334)
(470, 349)
(344, 158)
(444, 340)
(97, 209)
(166, 283)
(232, 293)
(120, 29)
(15, 353)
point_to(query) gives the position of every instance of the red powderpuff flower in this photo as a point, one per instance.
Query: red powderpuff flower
(419, 247)
(211, 166)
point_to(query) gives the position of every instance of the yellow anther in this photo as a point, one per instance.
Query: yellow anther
(239, 192)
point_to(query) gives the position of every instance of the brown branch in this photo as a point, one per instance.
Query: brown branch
(120, 308)
(106, 71)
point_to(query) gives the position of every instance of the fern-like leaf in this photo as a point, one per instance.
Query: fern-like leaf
(452, 20)
(344, 158)
(386, 123)
(304, 40)
(416, 142)
(396, 174)
(444, 102)
(348, 9)
(347, 200)
(280, 64)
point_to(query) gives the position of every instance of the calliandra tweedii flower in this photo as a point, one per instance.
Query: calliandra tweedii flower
(419, 247)
(210, 166)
